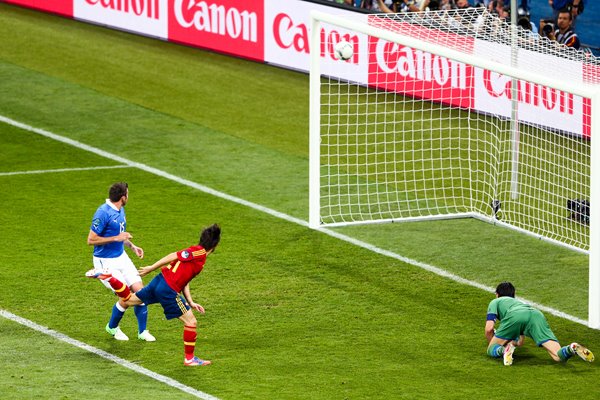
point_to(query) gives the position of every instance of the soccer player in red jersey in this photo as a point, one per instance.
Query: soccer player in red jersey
(178, 269)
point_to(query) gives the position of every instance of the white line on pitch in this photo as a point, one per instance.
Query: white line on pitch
(127, 364)
(49, 171)
(208, 190)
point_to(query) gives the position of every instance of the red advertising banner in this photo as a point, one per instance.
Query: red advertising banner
(419, 74)
(62, 7)
(226, 26)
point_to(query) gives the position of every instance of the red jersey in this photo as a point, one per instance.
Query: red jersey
(189, 263)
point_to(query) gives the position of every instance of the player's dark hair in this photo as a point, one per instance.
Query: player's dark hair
(210, 237)
(117, 191)
(505, 289)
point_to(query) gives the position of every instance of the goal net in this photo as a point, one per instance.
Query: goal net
(453, 114)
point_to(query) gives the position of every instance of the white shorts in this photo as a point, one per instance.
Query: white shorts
(120, 267)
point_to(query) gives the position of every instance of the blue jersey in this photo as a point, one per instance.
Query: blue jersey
(108, 222)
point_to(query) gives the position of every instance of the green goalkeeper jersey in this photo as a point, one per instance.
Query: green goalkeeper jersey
(501, 306)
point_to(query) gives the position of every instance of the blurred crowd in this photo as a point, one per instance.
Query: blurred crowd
(559, 27)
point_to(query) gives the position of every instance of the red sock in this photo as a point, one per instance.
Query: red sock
(189, 341)
(121, 289)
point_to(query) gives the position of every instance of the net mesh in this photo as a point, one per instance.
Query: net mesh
(411, 140)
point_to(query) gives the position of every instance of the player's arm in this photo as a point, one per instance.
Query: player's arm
(96, 240)
(169, 258)
(137, 250)
(188, 297)
(489, 329)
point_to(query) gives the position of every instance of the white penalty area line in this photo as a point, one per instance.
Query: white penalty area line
(127, 364)
(50, 171)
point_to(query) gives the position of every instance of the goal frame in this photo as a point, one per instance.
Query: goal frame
(591, 92)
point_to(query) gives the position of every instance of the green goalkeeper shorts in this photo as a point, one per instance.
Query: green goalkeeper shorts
(530, 323)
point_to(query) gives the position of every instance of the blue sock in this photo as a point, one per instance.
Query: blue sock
(495, 351)
(117, 314)
(565, 353)
(141, 312)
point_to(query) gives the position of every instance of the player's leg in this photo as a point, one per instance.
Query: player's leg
(141, 313)
(501, 345)
(189, 339)
(126, 300)
(539, 330)
(501, 348)
(555, 351)
(563, 353)
(108, 272)
(134, 281)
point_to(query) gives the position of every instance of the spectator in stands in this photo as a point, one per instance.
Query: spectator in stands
(525, 23)
(496, 7)
(574, 6)
(564, 33)
(366, 4)
(462, 4)
(402, 5)
(447, 5)
(378, 6)
(524, 20)
(384, 7)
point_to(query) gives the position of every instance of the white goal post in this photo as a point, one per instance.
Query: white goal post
(455, 114)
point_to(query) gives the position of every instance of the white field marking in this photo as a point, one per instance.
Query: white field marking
(49, 171)
(108, 356)
(281, 215)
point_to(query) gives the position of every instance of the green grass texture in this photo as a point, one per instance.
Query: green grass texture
(291, 313)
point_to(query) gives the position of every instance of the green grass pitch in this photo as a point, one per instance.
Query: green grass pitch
(292, 313)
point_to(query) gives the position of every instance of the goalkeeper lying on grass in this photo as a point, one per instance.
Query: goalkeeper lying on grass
(518, 320)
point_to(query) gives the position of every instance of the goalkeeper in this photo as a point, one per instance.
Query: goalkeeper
(518, 320)
(178, 269)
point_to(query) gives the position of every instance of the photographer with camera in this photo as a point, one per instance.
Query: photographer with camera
(563, 32)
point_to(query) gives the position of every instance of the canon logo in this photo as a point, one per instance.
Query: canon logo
(289, 35)
(148, 8)
(498, 85)
(217, 19)
(419, 65)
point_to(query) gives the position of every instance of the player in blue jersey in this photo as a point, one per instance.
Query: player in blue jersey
(517, 320)
(109, 237)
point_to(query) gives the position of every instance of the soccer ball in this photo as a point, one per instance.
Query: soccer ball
(343, 50)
